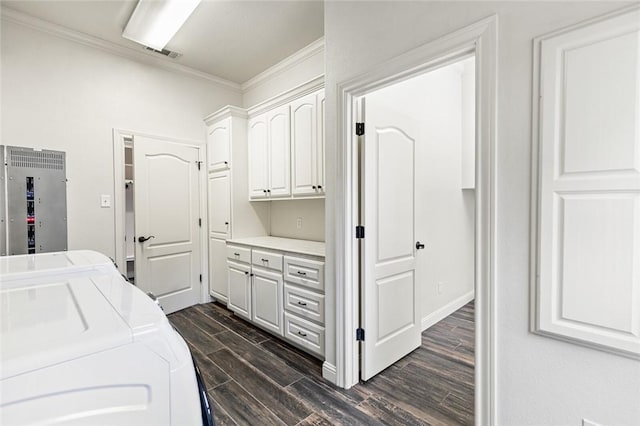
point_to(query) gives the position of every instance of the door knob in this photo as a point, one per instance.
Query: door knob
(143, 239)
(419, 245)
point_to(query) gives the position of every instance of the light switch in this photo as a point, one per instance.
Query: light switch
(105, 201)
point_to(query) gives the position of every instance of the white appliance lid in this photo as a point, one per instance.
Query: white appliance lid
(32, 265)
(45, 320)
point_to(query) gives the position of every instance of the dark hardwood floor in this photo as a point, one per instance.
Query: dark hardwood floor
(254, 378)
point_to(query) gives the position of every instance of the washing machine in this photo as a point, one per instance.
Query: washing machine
(79, 345)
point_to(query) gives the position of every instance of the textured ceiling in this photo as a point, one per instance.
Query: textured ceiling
(235, 40)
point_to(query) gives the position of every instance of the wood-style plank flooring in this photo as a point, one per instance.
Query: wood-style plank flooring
(254, 378)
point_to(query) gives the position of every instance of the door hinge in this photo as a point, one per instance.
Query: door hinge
(200, 222)
(360, 334)
(359, 129)
(200, 277)
(359, 232)
(198, 163)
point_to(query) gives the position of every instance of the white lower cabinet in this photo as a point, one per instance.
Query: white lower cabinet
(239, 290)
(218, 281)
(267, 299)
(279, 292)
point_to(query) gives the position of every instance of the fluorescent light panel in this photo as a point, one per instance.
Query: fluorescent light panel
(154, 22)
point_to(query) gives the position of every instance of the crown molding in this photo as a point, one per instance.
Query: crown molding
(299, 91)
(225, 112)
(287, 63)
(19, 18)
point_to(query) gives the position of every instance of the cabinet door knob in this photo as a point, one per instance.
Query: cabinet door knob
(246, 272)
(226, 223)
(264, 190)
(268, 190)
(313, 187)
(320, 187)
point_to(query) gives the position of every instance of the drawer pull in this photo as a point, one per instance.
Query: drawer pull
(236, 254)
(302, 273)
(265, 260)
(302, 303)
(302, 334)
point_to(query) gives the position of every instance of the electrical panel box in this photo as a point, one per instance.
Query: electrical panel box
(3, 208)
(35, 188)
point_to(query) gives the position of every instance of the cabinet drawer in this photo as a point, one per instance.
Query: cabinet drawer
(304, 303)
(239, 253)
(305, 272)
(304, 333)
(267, 259)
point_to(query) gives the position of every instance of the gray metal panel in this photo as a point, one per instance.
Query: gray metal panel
(3, 206)
(47, 168)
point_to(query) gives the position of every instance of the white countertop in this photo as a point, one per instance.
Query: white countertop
(311, 248)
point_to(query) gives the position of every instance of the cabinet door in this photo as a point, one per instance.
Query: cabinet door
(279, 152)
(219, 205)
(303, 146)
(320, 183)
(258, 158)
(239, 290)
(218, 269)
(267, 300)
(218, 145)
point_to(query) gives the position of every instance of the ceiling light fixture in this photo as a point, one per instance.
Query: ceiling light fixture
(154, 22)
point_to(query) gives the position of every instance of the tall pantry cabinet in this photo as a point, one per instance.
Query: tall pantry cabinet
(230, 215)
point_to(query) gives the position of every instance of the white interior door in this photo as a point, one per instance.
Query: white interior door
(390, 300)
(167, 212)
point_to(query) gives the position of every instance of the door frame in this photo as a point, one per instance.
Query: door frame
(119, 201)
(480, 39)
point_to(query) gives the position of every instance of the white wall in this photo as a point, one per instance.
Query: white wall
(540, 381)
(285, 214)
(61, 95)
(444, 212)
(305, 68)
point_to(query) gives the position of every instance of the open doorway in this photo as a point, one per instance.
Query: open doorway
(129, 219)
(478, 40)
(159, 233)
(418, 208)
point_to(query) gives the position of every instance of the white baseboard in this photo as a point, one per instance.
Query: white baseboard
(447, 310)
(330, 372)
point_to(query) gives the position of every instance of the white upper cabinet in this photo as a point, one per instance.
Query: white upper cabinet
(304, 135)
(279, 152)
(258, 158)
(588, 257)
(218, 145)
(319, 161)
(286, 150)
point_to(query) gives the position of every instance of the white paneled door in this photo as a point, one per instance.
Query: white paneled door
(166, 221)
(390, 299)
